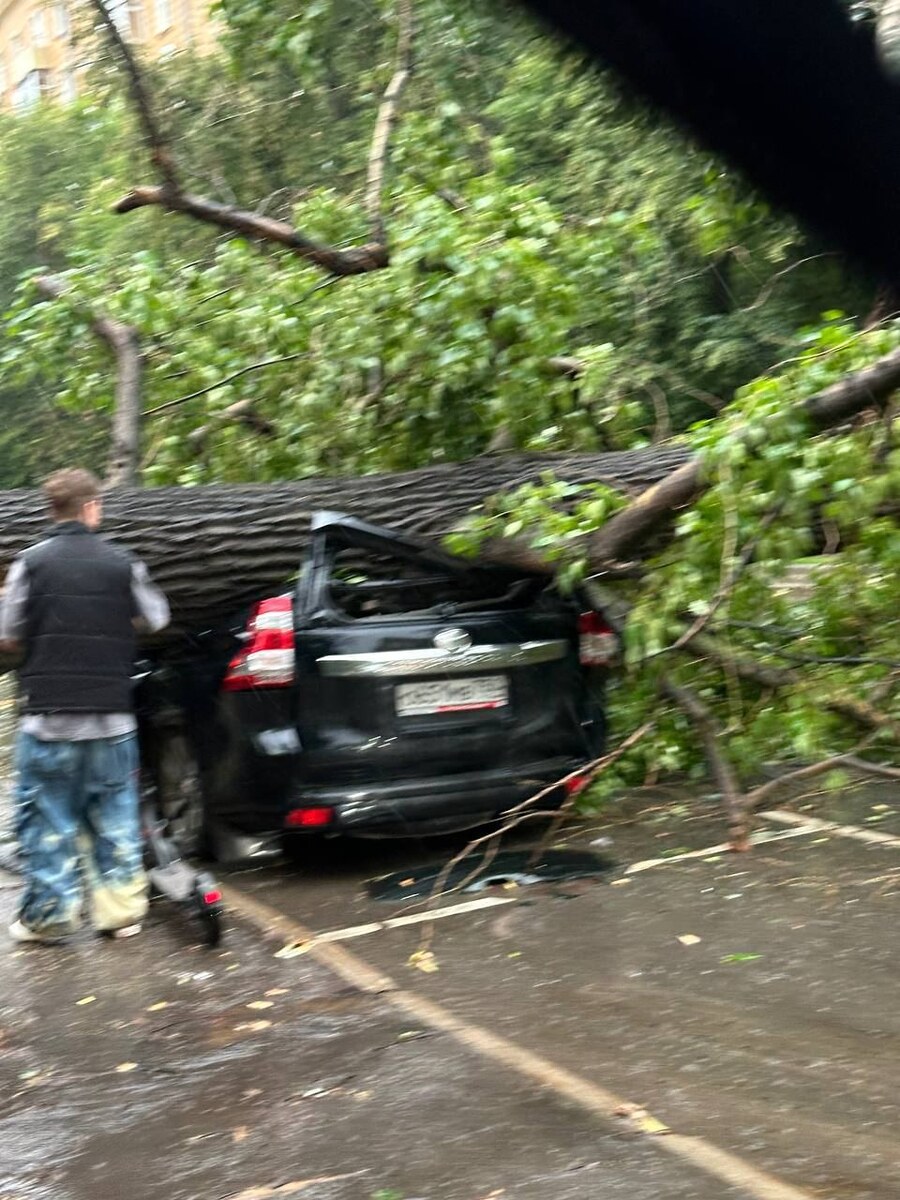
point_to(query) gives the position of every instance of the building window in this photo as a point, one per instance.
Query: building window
(29, 90)
(16, 45)
(60, 21)
(39, 27)
(163, 10)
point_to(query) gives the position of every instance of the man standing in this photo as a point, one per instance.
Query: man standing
(72, 604)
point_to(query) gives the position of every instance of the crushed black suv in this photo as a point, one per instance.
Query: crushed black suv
(397, 690)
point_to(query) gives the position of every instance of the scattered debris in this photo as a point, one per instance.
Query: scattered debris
(423, 960)
(284, 1191)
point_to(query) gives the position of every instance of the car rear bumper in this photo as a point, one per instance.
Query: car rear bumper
(438, 805)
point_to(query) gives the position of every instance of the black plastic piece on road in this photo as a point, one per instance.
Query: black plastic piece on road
(510, 866)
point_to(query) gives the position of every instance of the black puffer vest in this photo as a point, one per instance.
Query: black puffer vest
(79, 639)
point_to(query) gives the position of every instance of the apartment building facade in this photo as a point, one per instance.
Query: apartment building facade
(42, 55)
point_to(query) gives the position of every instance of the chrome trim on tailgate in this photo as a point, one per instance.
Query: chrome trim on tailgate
(399, 663)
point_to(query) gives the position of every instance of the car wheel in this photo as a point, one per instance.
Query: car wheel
(179, 796)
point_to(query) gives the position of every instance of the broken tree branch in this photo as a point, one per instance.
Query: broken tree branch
(514, 817)
(156, 142)
(242, 412)
(387, 120)
(356, 261)
(827, 408)
(760, 796)
(169, 195)
(870, 386)
(869, 768)
(863, 714)
(124, 342)
(860, 712)
(720, 768)
(749, 669)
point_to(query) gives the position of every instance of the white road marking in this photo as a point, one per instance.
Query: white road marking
(436, 914)
(817, 825)
(756, 839)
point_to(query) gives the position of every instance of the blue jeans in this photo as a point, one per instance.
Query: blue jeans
(79, 831)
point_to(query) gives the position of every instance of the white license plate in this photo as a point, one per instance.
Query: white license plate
(451, 695)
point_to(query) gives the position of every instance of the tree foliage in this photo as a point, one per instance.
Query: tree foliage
(529, 221)
(567, 272)
(774, 601)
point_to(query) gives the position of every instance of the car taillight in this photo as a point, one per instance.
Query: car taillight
(267, 659)
(598, 644)
(309, 818)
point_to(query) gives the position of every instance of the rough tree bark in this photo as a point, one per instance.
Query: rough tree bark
(216, 548)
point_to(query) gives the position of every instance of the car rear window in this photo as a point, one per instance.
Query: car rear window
(363, 584)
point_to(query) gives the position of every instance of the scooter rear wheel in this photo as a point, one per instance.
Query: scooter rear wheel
(210, 916)
(207, 908)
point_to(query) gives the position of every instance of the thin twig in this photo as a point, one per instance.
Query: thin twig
(521, 811)
(258, 366)
(728, 581)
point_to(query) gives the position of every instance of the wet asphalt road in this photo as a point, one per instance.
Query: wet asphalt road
(152, 1068)
(196, 1075)
(776, 1035)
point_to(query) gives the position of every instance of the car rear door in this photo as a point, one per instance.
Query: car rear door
(413, 663)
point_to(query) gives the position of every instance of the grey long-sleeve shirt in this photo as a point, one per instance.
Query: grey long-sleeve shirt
(150, 603)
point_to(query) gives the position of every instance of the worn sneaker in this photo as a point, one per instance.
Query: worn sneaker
(21, 933)
(124, 931)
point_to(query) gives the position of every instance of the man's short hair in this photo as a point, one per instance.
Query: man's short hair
(68, 491)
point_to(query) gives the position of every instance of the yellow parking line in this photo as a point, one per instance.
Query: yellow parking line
(711, 1159)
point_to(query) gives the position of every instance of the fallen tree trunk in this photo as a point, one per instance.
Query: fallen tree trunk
(214, 549)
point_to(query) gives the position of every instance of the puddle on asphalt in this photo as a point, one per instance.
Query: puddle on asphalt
(519, 867)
